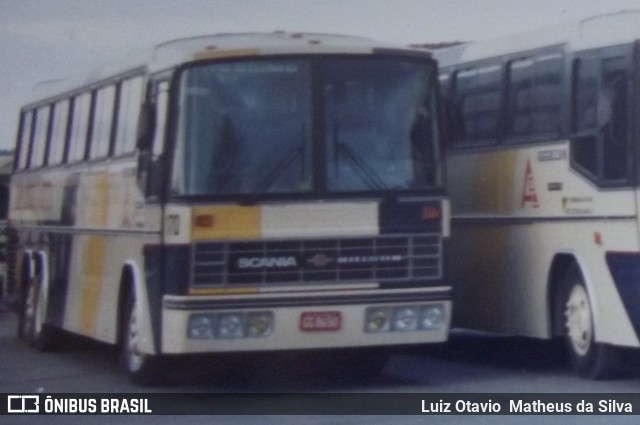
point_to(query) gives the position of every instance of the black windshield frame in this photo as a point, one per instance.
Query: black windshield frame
(318, 131)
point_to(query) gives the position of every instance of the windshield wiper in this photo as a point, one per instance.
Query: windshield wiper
(364, 170)
(280, 168)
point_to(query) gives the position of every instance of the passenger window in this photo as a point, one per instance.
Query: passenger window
(59, 132)
(25, 139)
(613, 115)
(102, 122)
(128, 113)
(476, 104)
(81, 111)
(535, 96)
(41, 132)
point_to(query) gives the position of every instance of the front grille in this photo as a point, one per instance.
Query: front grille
(379, 259)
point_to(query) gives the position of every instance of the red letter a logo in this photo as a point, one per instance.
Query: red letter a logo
(529, 192)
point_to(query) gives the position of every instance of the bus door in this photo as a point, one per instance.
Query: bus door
(604, 127)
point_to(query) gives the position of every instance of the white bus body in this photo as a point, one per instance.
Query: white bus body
(543, 173)
(234, 193)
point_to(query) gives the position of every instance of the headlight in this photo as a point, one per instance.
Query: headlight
(377, 320)
(405, 319)
(201, 326)
(230, 326)
(259, 324)
(432, 317)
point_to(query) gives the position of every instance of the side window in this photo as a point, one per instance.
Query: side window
(128, 113)
(81, 111)
(150, 167)
(59, 132)
(41, 132)
(162, 103)
(102, 121)
(601, 118)
(535, 95)
(25, 139)
(584, 149)
(585, 87)
(475, 109)
(614, 118)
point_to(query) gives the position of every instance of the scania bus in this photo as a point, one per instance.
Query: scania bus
(543, 172)
(235, 193)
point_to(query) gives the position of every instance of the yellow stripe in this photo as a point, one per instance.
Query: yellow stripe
(93, 273)
(493, 182)
(217, 54)
(100, 200)
(95, 251)
(228, 222)
(222, 291)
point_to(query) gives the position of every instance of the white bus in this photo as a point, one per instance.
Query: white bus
(543, 172)
(236, 193)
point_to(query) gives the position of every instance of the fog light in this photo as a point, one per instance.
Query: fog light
(432, 317)
(405, 318)
(259, 324)
(377, 320)
(230, 326)
(201, 326)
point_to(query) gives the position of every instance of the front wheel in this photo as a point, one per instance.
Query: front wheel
(142, 368)
(588, 358)
(33, 327)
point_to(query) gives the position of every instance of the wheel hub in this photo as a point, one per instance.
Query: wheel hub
(134, 357)
(579, 321)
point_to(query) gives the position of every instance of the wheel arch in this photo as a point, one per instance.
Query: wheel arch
(132, 281)
(33, 263)
(560, 264)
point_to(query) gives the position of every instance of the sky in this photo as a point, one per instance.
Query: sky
(49, 39)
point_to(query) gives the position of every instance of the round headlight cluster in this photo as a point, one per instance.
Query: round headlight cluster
(230, 325)
(404, 318)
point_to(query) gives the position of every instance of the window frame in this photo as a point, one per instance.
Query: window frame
(626, 52)
(128, 149)
(509, 114)
(503, 139)
(59, 135)
(319, 191)
(97, 113)
(453, 84)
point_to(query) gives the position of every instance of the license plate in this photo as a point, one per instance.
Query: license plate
(319, 321)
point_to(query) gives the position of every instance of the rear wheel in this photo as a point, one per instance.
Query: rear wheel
(574, 311)
(142, 368)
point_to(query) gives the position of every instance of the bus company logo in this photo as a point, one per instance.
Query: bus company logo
(23, 404)
(319, 260)
(284, 262)
(529, 195)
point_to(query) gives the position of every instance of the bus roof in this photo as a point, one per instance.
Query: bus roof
(597, 31)
(175, 52)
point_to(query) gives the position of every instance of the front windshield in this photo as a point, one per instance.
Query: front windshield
(380, 125)
(245, 128)
(257, 127)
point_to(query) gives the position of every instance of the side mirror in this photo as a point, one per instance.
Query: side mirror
(146, 126)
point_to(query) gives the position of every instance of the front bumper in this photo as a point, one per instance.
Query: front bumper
(287, 312)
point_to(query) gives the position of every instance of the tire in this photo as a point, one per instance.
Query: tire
(33, 327)
(143, 369)
(574, 314)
